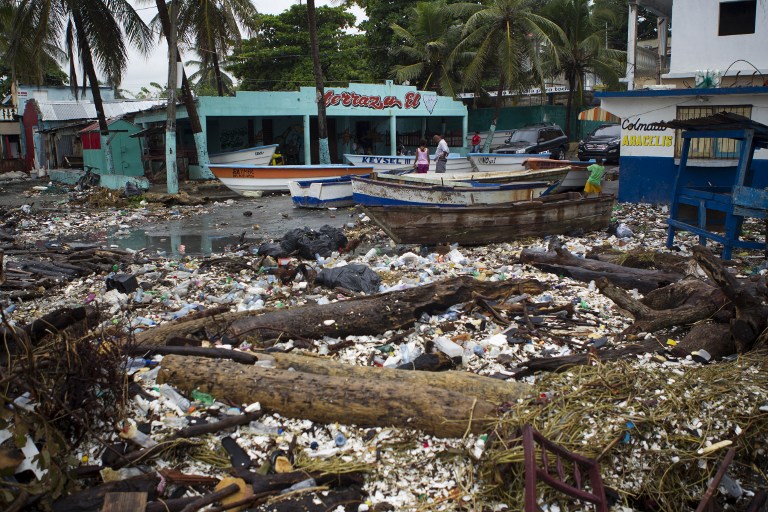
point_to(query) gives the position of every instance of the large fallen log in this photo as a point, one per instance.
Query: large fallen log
(359, 316)
(680, 304)
(558, 260)
(366, 402)
(474, 386)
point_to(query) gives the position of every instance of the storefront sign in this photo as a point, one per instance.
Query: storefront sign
(352, 99)
(636, 134)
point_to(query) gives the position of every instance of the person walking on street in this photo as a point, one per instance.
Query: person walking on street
(596, 172)
(441, 154)
(476, 142)
(422, 157)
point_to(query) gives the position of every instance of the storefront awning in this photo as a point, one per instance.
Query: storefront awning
(598, 114)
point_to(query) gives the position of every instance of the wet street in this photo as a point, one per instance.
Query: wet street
(212, 230)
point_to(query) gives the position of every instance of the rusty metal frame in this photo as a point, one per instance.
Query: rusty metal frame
(583, 469)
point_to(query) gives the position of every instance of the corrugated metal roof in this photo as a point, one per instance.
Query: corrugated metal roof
(720, 122)
(71, 110)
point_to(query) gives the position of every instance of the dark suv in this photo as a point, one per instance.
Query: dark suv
(536, 139)
(604, 142)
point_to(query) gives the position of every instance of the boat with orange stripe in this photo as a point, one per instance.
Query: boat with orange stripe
(245, 179)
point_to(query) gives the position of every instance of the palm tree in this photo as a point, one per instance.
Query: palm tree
(211, 28)
(580, 46)
(426, 47)
(25, 60)
(95, 32)
(322, 122)
(506, 39)
(204, 79)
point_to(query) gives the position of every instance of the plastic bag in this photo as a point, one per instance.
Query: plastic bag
(274, 250)
(310, 243)
(355, 277)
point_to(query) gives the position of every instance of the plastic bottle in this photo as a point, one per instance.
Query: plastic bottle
(135, 435)
(174, 397)
(304, 484)
(10, 309)
(138, 295)
(448, 347)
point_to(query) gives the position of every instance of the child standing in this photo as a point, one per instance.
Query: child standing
(422, 157)
(476, 142)
(596, 172)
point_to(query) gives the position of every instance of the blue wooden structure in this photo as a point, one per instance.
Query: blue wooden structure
(735, 202)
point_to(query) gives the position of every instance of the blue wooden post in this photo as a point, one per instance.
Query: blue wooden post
(675, 206)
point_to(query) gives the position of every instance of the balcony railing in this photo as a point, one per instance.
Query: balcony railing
(646, 63)
(7, 114)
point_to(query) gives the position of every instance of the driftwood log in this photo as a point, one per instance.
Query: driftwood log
(558, 260)
(358, 316)
(368, 402)
(471, 385)
(726, 315)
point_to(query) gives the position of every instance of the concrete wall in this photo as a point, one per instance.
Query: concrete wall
(648, 163)
(697, 44)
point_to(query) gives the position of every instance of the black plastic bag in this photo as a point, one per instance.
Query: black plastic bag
(310, 243)
(355, 276)
(274, 250)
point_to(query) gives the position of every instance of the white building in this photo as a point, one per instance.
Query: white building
(728, 38)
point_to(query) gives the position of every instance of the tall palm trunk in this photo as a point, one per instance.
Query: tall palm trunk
(496, 114)
(90, 72)
(201, 144)
(569, 104)
(217, 71)
(322, 123)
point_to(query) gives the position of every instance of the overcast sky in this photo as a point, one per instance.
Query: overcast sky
(154, 68)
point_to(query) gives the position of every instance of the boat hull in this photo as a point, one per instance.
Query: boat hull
(494, 162)
(477, 225)
(370, 192)
(454, 164)
(245, 179)
(259, 155)
(479, 177)
(322, 193)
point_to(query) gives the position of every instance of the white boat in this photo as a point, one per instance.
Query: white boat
(433, 178)
(455, 163)
(322, 193)
(253, 179)
(490, 162)
(373, 192)
(259, 155)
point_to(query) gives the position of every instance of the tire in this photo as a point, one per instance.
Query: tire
(558, 153)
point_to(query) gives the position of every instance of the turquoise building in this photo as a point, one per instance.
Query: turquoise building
(126, 154)
(371, 118)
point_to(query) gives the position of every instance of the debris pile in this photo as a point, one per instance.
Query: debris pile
(361, 375)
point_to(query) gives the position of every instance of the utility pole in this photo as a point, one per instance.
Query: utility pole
(171, 169)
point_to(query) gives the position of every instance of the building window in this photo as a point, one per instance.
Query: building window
(737, 17)
(710, 149)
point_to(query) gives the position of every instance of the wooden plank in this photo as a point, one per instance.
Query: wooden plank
(124, 502)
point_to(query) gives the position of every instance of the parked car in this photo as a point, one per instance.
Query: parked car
(604, 142)
(536, 139)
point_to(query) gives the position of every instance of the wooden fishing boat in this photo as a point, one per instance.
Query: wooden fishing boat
(492, 162)
(259, 155)
(551, 175)
(477, 225)
(372, 192)
(454, 164)
(322, 193)
(576, 178)
(250, 179)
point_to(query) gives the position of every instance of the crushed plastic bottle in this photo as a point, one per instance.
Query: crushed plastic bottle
(409, 352)
(448, 347)
(133, 434)
(138, 295)
(174, 397)
(304, 484)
